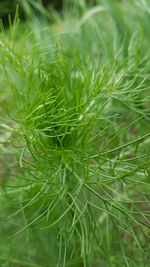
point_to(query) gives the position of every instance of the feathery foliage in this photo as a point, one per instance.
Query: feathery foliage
(75, 132)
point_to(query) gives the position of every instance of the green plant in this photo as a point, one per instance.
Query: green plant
(75, 137)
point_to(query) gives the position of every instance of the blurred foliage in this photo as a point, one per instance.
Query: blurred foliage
(8, 7)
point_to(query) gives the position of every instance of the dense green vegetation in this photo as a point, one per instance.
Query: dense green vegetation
(75, 135)
(8, 8)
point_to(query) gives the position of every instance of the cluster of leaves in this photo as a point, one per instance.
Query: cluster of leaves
(75, 112)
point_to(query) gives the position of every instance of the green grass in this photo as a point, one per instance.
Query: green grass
(75, 136)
